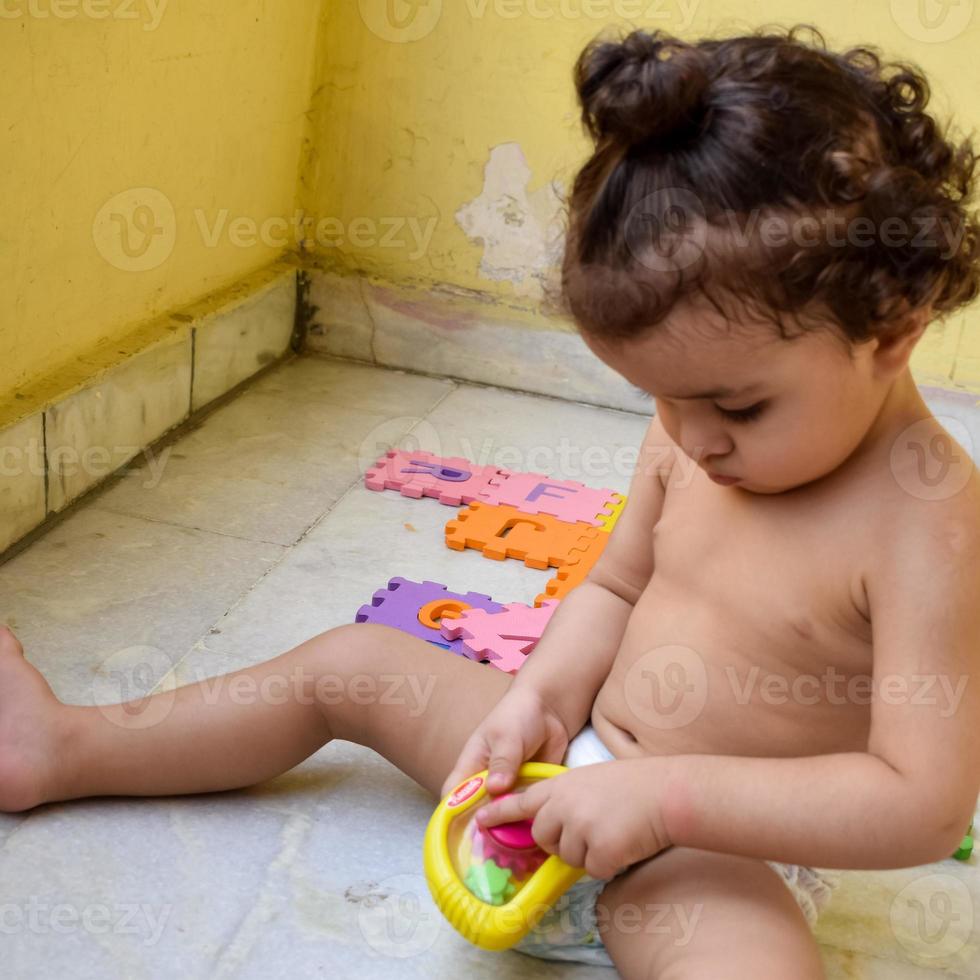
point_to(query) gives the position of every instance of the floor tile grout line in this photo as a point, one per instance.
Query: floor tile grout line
(455, 386)
(186, 527)
(286, 550)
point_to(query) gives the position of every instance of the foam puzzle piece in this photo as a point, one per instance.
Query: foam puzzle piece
(452, 480)
(536, 493)
(608, 523)
(580, 561)
(540, 540)
(413, 606)
(505, 638)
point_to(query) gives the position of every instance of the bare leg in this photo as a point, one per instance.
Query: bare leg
(689, 914)
(409, 700)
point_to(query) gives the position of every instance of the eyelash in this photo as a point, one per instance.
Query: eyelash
(742, 414)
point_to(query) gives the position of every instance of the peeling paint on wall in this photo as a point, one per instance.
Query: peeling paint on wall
(521, 233)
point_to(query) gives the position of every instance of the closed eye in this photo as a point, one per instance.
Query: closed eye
(746, 414)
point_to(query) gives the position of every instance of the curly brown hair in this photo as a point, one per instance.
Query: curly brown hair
(703, 149)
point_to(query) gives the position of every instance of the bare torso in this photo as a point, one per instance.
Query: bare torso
(753, 636)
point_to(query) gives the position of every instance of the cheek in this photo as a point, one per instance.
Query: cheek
(797, 437)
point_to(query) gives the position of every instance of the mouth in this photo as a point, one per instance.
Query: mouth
(725, 481)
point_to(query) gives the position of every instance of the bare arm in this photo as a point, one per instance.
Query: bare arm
(575, 652)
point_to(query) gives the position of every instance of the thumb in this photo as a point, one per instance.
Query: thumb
(471, 760)
(506, 756)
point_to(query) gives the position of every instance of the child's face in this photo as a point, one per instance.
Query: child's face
(796, 408)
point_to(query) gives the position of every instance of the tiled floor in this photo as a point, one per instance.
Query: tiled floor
(258, 535)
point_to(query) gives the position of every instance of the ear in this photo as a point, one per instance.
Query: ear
(894, 348)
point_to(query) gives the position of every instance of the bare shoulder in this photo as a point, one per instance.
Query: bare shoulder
(928, 515)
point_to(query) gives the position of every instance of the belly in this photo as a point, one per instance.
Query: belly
(712, 672)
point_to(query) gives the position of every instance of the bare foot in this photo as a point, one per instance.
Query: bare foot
(30, 727)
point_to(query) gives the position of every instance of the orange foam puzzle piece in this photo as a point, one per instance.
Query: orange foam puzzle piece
(580, 561)
(501, 531)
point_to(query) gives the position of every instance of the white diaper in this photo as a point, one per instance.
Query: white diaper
(569, 931)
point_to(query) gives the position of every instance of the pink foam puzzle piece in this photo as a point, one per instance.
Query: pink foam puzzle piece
(505, 638)
(568, 500)
(452, 480)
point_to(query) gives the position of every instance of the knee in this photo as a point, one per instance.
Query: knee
(361, 648)
(356, 650)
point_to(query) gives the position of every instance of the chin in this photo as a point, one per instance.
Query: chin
(750, 486)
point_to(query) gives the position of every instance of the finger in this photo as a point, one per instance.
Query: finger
(571, 848)
(596, 866)
(506, 756)
(548, 829)
(513, 807)
(471, 760)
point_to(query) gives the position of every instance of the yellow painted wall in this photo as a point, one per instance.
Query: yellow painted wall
(155, 151)
(149, 120)
(409, 112)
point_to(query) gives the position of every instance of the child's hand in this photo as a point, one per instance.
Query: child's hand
(520, 727)
(601, 817)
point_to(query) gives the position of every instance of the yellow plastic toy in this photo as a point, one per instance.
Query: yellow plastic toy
(493, 884)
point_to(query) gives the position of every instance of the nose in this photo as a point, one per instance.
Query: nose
(705, 442)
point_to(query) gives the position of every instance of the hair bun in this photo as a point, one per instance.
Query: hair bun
(648, 87)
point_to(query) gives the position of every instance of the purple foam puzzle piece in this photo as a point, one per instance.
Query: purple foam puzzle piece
(398, 605)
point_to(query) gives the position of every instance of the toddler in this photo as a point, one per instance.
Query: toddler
(768, 673)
